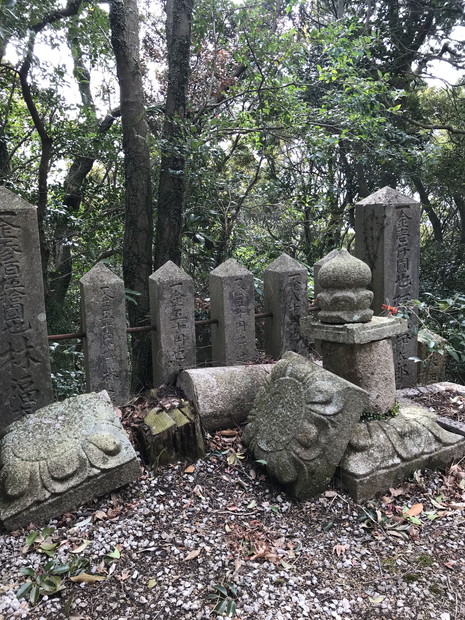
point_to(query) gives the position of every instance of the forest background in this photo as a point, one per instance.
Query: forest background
(199, 130)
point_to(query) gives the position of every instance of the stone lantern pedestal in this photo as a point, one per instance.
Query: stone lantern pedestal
(362, 354)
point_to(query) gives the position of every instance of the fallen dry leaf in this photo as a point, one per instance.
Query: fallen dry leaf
(86, 578)
(415, 510)
(189, 469)
(192, 555)
(339, 549)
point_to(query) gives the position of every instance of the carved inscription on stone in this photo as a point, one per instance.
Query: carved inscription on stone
(104, 322)
(239, 311)
(172, 314)
(179, 326)
(25, 382)
(285, 297)
(232, 307)
(107, 322)
(404, 344)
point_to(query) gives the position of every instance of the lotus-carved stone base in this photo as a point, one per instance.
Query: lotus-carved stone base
(61, 456)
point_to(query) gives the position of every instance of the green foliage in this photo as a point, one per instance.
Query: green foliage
(48, 579)
(224, 596)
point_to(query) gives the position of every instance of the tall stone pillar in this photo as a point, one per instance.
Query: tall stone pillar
(25, 378)
(104, 323)
(233, 306)
(387, 238)
(285, 284)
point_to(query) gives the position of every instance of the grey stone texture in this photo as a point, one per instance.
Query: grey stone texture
(25, 383)
(232, 304)
(223, 396)
(370, 366)
(343, 295)
(301, 423)
(171, 293)
(354, 333)
(103, 316)
(62, 455)
(316, 270)
(433, 356)
(285, 296)
(383, 453)
(387, 238)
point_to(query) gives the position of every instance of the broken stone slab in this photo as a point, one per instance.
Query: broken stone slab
(223, 396)
(301, 423)
(354, 333)
(382, 453)
(61, 456)
(169, 435)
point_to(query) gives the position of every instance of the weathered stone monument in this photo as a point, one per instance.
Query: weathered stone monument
(25, 379)
(171, 293)
(301, 423)
(104, 323)
(387, 238)
(354, 344)
(232, 305)
(285, 296)
(61, 456)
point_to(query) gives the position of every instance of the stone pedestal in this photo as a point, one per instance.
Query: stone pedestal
(61, 456)
(362, 354)
(383, 453)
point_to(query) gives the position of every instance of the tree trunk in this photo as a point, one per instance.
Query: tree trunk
(172, 182)
(430, 212)
(137, 245)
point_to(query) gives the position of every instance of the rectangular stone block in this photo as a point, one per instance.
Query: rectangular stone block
(171, 293)
(387, 238)
(104, 323)
(285, 296)
(232, 304)
(25, 383)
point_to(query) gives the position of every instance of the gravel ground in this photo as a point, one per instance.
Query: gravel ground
(177, 535)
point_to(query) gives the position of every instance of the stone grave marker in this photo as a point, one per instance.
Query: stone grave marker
(387, 238)
(285, 296)
(171, 293)
(232, 304)
(25, 383)
(104, 323)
